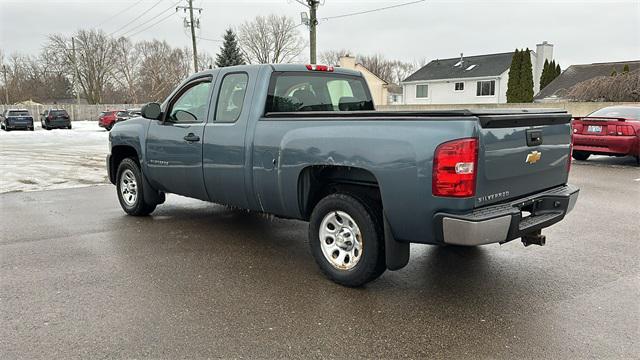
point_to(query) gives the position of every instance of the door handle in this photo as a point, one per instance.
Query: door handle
(191, 137)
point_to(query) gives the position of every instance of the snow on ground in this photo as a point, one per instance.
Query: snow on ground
(53, 159)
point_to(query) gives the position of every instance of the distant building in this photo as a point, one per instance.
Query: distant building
(394, 96)
(377, 86)
(574, 74)
(478, 79)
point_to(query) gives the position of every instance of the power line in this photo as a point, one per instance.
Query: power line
(136, 18)
(119, 12)
(206, 39)
(152, 25)
(372, 10)
(138, 26)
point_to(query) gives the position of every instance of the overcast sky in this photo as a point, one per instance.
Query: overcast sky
(582, 31)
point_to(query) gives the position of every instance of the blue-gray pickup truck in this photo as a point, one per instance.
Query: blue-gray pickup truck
(304, 142)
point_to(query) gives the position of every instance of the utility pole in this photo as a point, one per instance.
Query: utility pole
(313, 22)
(193, 23)
(76, 73)
(6, 85)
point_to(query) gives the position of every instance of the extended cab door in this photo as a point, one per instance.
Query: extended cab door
(174, 143)
(225, 147)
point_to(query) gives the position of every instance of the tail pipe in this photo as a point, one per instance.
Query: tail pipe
(534, 238)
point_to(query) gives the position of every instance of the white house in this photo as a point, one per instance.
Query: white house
(476, 79)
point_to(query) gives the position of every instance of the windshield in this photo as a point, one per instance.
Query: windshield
(317, 91)
(18, 113)
(627, 112)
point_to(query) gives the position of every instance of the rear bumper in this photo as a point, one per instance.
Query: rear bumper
(606, 144)
(504, 222)
(20, 125)
(57, 123)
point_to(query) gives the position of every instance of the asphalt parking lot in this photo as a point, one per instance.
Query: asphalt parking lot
(79, 279)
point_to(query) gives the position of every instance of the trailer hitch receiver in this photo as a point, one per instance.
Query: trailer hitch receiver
(534, 238)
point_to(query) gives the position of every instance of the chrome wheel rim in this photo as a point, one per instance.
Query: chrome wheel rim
(340, 240)
(128, 188)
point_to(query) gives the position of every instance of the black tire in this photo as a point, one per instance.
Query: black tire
(368, 217)
(69, 127)
(108, 128)
(139, 207)
(580, 155)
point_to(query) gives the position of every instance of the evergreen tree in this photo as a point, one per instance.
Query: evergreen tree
(544, 78)
(526, 77)
(625, 69)
(613, 71)
(230, 53)
(513, 93)
(558, 71)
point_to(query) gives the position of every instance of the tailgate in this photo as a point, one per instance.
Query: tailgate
(521, 154)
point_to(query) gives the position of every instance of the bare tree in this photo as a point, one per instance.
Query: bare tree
(270, 39)
(332, 57)
(162, 69)
(378, 65)
(94, 60)
(621, 87)
(128, 66)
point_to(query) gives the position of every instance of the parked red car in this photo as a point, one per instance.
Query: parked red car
(108, 118)
(613, 131)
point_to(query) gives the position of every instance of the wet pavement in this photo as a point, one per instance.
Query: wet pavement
(79, 279)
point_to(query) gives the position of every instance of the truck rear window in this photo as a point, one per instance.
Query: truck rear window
(317, 91)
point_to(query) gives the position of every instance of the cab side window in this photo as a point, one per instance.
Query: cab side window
(191, 106)
(231, 97)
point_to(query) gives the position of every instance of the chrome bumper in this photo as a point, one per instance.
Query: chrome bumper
(504, 222)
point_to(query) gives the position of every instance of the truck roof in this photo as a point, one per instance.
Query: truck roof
(284, 67)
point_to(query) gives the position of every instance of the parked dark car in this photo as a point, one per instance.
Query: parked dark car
(55, 119)
(613, 131)
(303, 142)
(108, 118)
(16, 119)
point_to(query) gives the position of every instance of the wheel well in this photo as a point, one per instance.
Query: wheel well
(316, 182)
(119, 153)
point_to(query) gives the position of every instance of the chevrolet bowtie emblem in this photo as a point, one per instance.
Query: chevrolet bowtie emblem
(533, 157)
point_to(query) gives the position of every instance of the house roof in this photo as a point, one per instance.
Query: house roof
(486, 65)
(578, 73)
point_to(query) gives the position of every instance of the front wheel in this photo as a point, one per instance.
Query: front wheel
(580, 155)
(346, 237)
(130, 189)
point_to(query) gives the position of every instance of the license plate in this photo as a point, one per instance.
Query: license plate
(594, 128)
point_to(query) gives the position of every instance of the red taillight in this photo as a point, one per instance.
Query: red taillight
(455, 166)
(626, 130)
(577, 128)
(50, 117)
(314, 67)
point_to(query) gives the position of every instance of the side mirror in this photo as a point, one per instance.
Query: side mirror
(151, 111)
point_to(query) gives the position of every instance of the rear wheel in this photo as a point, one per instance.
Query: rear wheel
(346, 237)
(580, 155)
(69, 127)
(130, 189)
